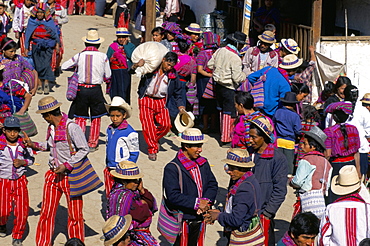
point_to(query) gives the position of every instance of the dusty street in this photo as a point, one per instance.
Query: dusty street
(94, 203)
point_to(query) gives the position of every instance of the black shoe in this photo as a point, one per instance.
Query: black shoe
(2, 230)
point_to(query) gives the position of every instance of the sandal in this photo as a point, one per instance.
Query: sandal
(39, 90)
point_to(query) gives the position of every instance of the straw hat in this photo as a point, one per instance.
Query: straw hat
(265, 125)
(93, 37)
(122, 31)
(127, 170)
(318, 135)
(184, 120)
(267, 37)
(238, 37)
(192, 136)
(119, 102)
(290, 62)
(290, 97)
(365, 98)
(290, 45)
(346, 182)
(47, 104)
(194, 28)
(2, 4)
(115, 228)
(238, 157)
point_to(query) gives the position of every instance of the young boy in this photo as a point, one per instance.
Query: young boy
(5, 22)
(14, 157)
(288, 127)
(122, 139)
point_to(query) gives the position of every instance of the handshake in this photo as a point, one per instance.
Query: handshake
(209, 215)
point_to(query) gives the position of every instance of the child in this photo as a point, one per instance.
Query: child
(171, 32)
(122, 139)
(302, 91)
(288, 127)
(5, 22)
(13, 183)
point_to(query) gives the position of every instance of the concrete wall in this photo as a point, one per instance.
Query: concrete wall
(201, 6)
(358, 60)
(358, 15)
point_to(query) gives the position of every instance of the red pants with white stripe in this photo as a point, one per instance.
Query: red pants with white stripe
(55, 185)
(108, 181)
(14, 190)
(94, 130)
(90, 7)
(155, 120)
(226, 127)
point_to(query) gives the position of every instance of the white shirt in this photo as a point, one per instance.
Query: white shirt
(163, 85)
(93, 66)
(21, 17)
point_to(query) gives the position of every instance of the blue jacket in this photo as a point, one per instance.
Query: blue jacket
(243, 206)
(287, 124)
(174, 88)
(271, 174)
(186, 201)
(122, 145)
(274, 88)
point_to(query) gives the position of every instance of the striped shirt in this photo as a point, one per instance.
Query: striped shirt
(335, 140)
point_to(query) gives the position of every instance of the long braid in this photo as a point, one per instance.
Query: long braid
(344, 133)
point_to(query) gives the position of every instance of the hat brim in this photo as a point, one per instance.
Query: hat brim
(179, 126)
(362, 100)
(199, 32)
(286, 101)
(122, 232)
(49, 109)
(316, 138)
(121, 176)
(239, 164)
(125, 107)
(262, 130)
(292, 66)
(191, 142)
(265, 40)
(283, 43)
(231, 37)
(99, 41)
(343, 190)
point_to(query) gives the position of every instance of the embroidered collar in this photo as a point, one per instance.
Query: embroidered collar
(189, 164)
(122, 126)
(232, 48)
(170, 75)
(287, 240)
(237, 184)
(90, 48)
(60, 131)
(267, 153)
(3, 142)
(284, 73)
(351, 197)
(313, 153)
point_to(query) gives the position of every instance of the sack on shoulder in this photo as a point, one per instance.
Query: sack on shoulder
(27, 124)
(252, 236)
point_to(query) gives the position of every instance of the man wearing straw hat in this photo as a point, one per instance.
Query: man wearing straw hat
(116, 230)
(61, 163)
(262, 55)
(346, 221)
(199, 187)
(92, 69)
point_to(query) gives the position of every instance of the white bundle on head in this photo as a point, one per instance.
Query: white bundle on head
(152, 53)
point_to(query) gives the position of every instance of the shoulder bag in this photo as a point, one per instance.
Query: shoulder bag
(73, 83)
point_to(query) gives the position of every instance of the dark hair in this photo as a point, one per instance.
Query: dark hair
(340, 117)
(11, 45)
(270, 27)
(328, 90)
(94, 45)
(260, 133)
(365, 104)
(314, 144)
(183, 45)
(123, 238)
(240, 169)
(365, 242)
(158, 29)
(121, 110)
(55, 112)
(298, 88)
(171, 57)
(342, 80)
(244, 98)
(304, 223)
(309, 112)
(187, 145)
(74, 242)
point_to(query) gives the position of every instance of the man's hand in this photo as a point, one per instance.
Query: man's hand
(18, 163)
(213, 214)
(182, 108)
(203, 206)
(60, 169)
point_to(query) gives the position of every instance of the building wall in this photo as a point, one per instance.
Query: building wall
(358, 60)
(201, 6)
(358, 15)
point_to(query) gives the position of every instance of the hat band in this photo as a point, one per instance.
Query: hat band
(292, 48)
(263, 126)
(122, 32)
(337, 183)
(128, 171)
(93, 40)
(267, 37)
(195, 29)
(47, 106)
(234, 157)
(290, 63)
(192, 138)
(365, 99)
(120, 224)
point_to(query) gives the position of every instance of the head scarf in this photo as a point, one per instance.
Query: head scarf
(43, 7)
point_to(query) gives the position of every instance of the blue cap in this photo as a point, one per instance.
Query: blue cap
(12, 122)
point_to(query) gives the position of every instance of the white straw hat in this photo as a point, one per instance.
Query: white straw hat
(192, 136)
(119, 102)
(346, 182)
(92, 37)
(291, 61)
(184, 120)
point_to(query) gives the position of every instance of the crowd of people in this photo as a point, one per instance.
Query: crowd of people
(257, 99)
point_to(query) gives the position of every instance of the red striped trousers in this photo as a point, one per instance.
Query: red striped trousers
(55, 185)
(94, 130)
(90, 7)
(155, 121)
(226, 127)
(14, 190)
(108, 181)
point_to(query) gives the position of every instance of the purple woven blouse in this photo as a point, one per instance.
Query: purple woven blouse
(335, 140)
(14, 68)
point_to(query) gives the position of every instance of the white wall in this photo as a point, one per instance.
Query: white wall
(358, 15)
(358, 60)
(201, 7)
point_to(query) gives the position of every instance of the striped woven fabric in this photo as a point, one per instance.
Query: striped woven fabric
(258, 91)
(209, 92)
